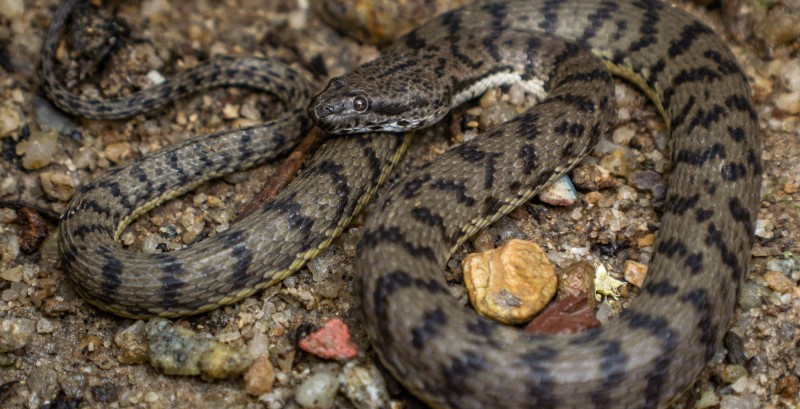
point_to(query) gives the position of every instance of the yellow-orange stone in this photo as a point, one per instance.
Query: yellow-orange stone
(511, 283)
(635, 272)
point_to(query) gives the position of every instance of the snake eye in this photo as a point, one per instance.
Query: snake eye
(360, 104)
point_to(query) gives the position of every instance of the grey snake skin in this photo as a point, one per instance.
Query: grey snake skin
(443, 353)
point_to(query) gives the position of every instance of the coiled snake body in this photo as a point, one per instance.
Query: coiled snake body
(443, 353)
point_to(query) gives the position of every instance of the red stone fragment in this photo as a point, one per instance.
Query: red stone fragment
(332, 341)
(569, 315)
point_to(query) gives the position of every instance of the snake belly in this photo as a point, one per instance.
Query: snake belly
(252, 254)
(451, 357)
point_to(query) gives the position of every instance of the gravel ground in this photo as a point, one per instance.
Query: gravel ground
(57, 350)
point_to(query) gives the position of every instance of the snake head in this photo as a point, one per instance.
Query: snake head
(389, 94)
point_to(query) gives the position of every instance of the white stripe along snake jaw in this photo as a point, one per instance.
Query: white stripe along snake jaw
(446, 355)
(451, 357)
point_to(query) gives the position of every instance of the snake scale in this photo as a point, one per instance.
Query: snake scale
(443, 353)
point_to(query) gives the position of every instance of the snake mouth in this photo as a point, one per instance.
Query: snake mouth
(328, 116)
(326, 113)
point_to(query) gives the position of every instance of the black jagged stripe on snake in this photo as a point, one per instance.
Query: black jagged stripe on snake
(449, 356)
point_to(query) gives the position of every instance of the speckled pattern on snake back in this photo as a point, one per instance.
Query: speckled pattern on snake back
(443, 353)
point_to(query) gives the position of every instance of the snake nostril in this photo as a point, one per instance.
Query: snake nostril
(326, 110)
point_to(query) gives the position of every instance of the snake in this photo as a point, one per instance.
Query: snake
(445, 354)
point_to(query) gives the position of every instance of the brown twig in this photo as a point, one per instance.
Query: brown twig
(285, 173)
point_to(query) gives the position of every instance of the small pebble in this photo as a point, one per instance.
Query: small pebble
(151, 243)
(750, 296)
(151, 397)
(732, 373)
(604, 313)
(592, 177)
(89, 344)
(781, 26)
(494, 111)
(738, 402)
(85, 158)
(763, 229)
(250, 111)
(132, 341)
(741, 384)
(364, 386)
(708, 399)
(39, 150)
(51, 119)
(155, 77)
(788, 102)
(635, 272)
(785, 266)
(575, 279)
(260, 377)
(33, 229)
(179, 351)
(790, 187)
(44, 326)
(777, 281)
(317, 391)
(9, 249)
(43, 383)
(6, 360)
(483, 241)
(323, 264)
(214, 201)
(790, 74)
(105, 393)
(626, 197)
(15, 333)
(230, 111)
(58, 186)
(623, 135)
(332, 341)
(7, 216)
(258, 345)
(10, 117)
(378, 22)
(8, 186)
(649, 180)
(615, 163)
(511, 283)
(118, 152)
(9, 295)
(736, 349)
(788, 386)
(127, 238)
(13, 274)
(559, 193)
(646, 241)
(193, 231)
